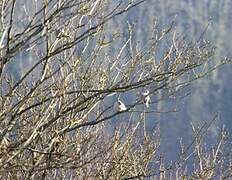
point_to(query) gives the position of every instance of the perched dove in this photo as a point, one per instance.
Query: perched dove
(145, 97)
(119, 106)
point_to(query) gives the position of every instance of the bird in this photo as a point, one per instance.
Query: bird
(145, 97)
(119, 106)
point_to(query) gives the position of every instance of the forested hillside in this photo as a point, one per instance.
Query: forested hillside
(110, 89)
(210, 19)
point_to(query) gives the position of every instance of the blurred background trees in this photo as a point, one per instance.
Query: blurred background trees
(64, 64)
